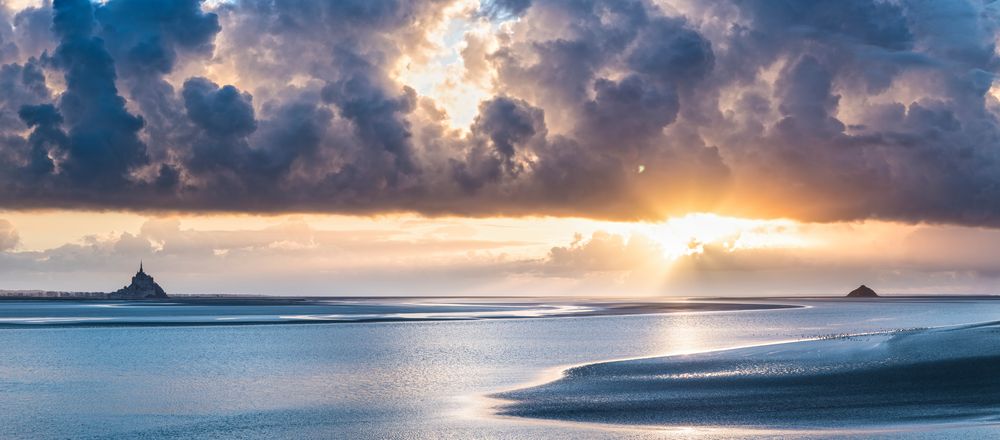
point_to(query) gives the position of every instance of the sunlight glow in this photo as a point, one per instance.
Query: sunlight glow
(689, 234)
(17, 5)
(441, 73)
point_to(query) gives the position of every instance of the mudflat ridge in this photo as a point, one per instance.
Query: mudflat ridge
(904, 377)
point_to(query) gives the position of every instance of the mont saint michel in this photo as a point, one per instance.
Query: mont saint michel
(142, 287)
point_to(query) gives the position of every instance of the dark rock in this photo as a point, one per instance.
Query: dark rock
(862, 292)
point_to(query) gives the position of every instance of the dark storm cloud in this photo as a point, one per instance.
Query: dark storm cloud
(504, 126)
(8, 48)
(806, 102)
(103, 145)
(234, 153)
(508, 122)
(651, 107)
(146, 36)
(885, 165)
(20, 84)
(667, 49)
(33, 30)
(378, 118)
(822, 110)
(47, 135)
(148, 39)
(225, 117)
(220, 111)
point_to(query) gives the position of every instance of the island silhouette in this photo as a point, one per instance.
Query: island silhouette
(863, 292)
(142, 287)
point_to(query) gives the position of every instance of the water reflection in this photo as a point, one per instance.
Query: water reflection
(386, 380)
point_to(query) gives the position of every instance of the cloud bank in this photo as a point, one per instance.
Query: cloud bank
(625, 109)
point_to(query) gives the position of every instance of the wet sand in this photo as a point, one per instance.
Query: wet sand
(908, 377)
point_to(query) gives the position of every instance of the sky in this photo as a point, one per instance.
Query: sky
(501, 147)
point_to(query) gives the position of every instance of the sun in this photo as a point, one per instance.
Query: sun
(689, 234)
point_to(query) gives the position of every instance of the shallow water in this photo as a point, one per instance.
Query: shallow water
(385, 379)
(263, 311)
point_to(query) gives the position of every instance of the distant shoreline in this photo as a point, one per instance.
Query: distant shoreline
(45, 295)
(356, 310)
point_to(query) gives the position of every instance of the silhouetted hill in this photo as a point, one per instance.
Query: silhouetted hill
(862, 292)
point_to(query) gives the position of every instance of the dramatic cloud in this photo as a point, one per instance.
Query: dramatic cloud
(103, 144)
(825, 110)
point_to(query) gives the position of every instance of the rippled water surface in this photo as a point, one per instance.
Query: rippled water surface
(413, 379)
